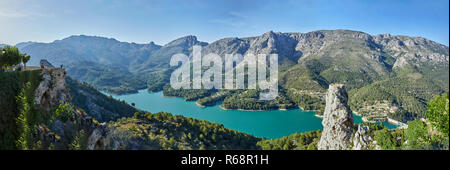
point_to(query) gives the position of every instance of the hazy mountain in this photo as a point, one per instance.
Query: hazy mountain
(88, 48)
(2, 45)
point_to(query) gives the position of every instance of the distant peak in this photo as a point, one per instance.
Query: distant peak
(269, 33)
(189, 38)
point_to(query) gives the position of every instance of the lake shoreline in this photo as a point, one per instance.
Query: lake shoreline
(281, 109)
(220, 106)
(199, 105)
(271, 124)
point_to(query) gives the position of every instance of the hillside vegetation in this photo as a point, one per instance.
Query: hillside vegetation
(12, 85)
(174, 132)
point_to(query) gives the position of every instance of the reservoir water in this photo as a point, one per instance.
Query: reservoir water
(269, 124)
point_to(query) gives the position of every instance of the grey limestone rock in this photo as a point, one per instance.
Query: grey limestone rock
(337, 120)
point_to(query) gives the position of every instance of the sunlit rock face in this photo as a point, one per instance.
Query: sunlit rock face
(52, 90)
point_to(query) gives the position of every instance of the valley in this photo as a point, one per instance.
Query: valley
(378, 78)
(224, 83)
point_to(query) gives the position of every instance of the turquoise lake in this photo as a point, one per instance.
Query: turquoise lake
(269, 124)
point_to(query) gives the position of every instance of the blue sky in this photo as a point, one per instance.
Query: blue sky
(142, 21)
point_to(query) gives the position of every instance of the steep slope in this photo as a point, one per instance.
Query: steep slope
(89, 48)
(37, 112)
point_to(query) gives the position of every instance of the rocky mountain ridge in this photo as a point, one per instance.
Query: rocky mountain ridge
(286, 45)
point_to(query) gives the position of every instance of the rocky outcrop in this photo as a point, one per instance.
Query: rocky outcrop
(362, 140)
(52, 90)
(338, 125)
(337, 120)
(45, 135)
(59, 133)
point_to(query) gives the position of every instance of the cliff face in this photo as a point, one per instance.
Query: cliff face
(50, 93)
(338, 124)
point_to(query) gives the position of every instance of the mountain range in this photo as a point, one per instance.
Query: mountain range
(386, 75)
